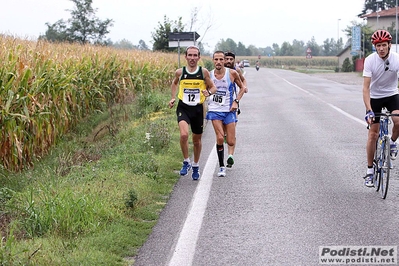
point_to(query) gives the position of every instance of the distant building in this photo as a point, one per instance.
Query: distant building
(381, 19)
(375, 20)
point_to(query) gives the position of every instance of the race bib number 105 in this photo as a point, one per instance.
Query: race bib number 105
(219, 97)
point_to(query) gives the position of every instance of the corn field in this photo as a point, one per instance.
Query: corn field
(46, 89)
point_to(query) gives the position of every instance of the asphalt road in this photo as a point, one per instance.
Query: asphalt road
(296, 185)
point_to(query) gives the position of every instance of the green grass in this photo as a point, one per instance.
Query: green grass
(95, 198)
(314, 70)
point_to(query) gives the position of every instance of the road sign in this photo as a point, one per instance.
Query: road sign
(308, 53)
(183, 36)
(356, 37)
(182, 39)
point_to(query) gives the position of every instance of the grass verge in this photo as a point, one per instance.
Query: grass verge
(95, 198)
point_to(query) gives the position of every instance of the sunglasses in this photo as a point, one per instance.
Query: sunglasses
(386, 65)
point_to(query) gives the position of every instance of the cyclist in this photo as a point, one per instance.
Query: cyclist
(380, 89)
(229, 58)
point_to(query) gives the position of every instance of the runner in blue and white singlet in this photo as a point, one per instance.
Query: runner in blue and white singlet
(222, 100)
(223, 105)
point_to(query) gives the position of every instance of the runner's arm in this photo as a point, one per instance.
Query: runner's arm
(175, 83)
(210, 86)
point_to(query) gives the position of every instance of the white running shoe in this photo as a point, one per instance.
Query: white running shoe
(368, 180)
(222, 171)
(394, 151)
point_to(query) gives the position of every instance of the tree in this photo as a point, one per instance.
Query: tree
(286, 49)
(328, 47)
(142, 45)
(127, 45)
(240, 49)
(253, 50)
(331, 48)
(314, 47)
(161, 35)
(267, 51)
(124, 44)
(226, 45)
(83, 27)
(276, 49)
(196, 24)
(298, 47)
(56, 32)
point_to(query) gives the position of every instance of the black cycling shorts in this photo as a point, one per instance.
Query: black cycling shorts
(391, 103)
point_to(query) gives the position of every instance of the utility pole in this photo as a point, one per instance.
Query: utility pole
(378, 10)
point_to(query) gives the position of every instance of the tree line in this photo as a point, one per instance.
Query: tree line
(84, 27)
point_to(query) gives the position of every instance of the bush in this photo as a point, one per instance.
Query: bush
(131, 198)
(158, 135)
(347, 66)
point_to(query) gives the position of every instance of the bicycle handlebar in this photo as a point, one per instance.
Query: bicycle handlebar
(387, 114)
(384, 114)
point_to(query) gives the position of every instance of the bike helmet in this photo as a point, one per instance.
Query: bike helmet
(381, 36)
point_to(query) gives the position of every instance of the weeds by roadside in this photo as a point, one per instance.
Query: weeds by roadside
(96, 197)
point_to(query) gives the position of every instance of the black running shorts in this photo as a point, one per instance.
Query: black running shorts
(193, 115)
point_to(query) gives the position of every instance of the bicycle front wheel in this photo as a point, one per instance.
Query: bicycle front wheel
(377, 165)
(385, 167)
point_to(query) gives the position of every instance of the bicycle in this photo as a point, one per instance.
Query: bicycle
(382, 157)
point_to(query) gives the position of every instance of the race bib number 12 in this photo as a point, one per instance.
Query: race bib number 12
(191, 96)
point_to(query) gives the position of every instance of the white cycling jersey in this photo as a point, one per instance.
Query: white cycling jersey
(384, 74)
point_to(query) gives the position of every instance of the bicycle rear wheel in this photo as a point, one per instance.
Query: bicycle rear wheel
(385, 167)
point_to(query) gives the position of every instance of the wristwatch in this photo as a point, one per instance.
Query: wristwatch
(236, 100)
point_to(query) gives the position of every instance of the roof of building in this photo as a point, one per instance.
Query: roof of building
(343, 51)
(383, 13)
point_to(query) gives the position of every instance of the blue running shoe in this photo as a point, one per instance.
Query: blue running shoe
(195, 175)
(185, 168)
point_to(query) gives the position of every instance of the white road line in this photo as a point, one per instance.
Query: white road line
(186, 244)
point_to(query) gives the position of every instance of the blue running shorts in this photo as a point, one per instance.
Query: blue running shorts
(225, 117)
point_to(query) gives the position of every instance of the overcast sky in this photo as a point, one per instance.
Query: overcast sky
(260, 23)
